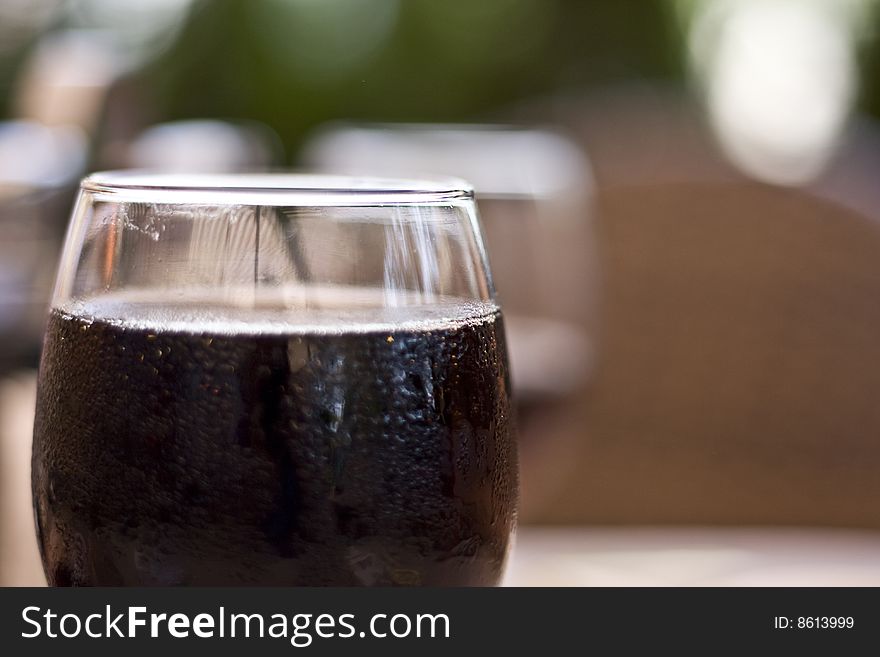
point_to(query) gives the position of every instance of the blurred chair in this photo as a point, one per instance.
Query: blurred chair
(739, 375)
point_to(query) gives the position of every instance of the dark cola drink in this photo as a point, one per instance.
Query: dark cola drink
(203, 445)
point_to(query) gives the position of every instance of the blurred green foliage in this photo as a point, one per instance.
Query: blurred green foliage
(293, 64)
(296, 63)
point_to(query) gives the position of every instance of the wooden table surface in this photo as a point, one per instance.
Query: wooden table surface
(667, 557)
(579, 556)
(696, 556)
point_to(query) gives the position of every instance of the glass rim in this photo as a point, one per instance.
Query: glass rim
(273, 188)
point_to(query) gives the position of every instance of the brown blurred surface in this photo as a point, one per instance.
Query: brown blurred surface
(739, 371)
(738, 341)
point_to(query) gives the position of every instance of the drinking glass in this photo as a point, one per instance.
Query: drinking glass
(273, 380)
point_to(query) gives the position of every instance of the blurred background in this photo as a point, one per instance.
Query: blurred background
(680, 200)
